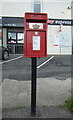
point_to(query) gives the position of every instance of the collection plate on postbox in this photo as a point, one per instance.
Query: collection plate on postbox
(35, 35)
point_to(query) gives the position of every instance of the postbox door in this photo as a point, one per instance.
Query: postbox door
(36, 43)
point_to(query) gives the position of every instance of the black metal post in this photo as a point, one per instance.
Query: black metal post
(33, 86)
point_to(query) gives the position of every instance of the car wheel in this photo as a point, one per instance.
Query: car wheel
(5, 55)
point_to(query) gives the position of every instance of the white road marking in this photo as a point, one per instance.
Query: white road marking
(10, 60)
(45, 62)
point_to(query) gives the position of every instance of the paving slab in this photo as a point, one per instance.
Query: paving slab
(16, 98)
(41, 112)
(50, 91)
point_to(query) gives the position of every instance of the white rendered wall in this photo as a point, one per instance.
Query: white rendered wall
(15, 9)
(55, 9)
(58, 9)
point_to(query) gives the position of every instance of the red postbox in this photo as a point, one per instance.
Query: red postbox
(35, 35)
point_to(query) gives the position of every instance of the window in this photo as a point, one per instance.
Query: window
(11, 37)
(15, 36)
(37, 6)
(20, 38)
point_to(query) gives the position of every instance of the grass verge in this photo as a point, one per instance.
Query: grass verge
(68, 105)
(18, 107)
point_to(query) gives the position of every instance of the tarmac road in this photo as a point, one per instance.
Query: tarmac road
(58, 67)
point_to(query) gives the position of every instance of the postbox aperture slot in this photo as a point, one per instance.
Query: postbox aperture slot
(32, 20)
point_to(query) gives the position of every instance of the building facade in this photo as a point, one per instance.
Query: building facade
(59, 39)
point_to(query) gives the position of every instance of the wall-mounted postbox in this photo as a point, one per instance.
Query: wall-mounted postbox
(35, 35)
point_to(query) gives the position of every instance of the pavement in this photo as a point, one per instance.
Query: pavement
(16, 98)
